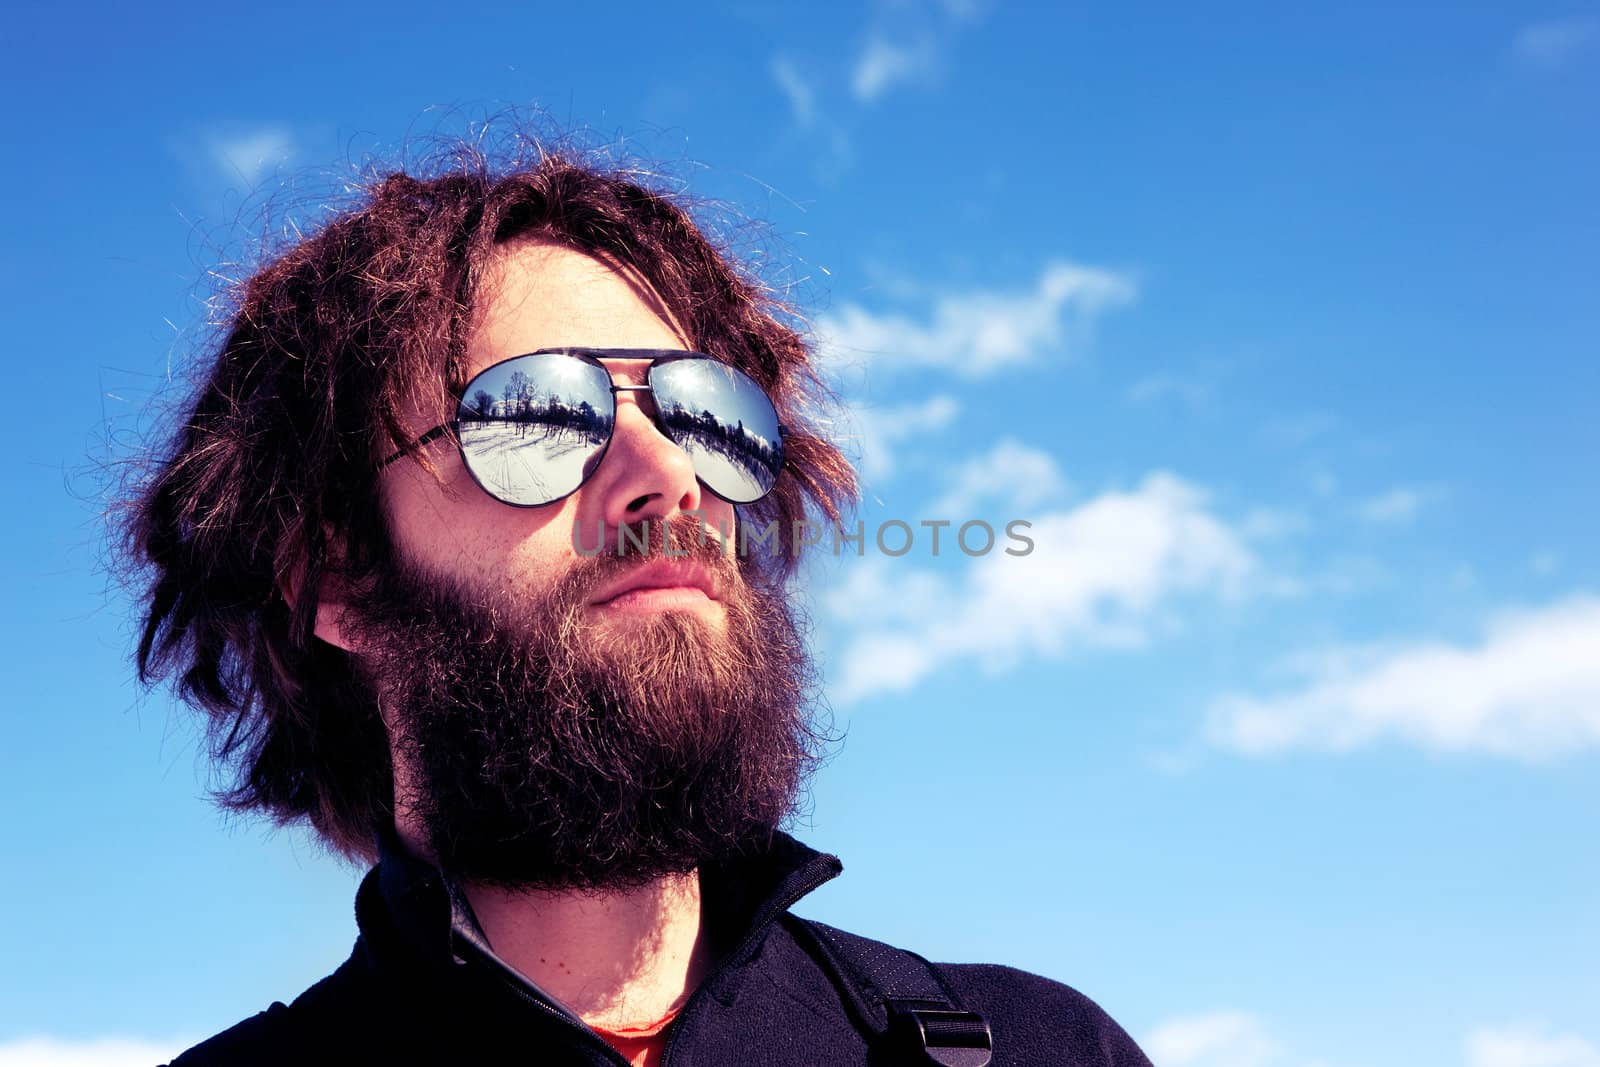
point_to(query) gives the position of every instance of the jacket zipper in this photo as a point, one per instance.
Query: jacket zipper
(764, 919)
(517, 984)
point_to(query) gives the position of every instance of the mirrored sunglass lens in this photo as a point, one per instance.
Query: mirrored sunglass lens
(532, 427)
(726, 424)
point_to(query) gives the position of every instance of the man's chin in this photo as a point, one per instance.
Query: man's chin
(633, 610)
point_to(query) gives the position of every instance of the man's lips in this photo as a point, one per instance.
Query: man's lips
(660, 580)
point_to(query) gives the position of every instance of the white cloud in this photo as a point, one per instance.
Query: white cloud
(975, 334)
(802, 98)
(1554, 43)
(878, 430)
(250, 154)
(89, 1052)
(1393, 508)
(1219, 1039)
(1010, 474)
(1529, 1047)
(1101, 574)
(884, 64)
(1529, 690)
(873, 595)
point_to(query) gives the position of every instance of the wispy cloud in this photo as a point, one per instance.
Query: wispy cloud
(908, 44)
(905, 43)
(1273, 524)
(796, 89)
(1217, 1039)
(249, 155)
(1160, 387)
(1523, 1046)
(879, 430)
(1100, 574)
(1392, 508)
(975, 334)
(884, 64)
(1323, 483)
(1554, 43)
(965, 10)
(1011, 474)
(1295, 431)
(829, 147)
(1530, 689)
(1242, 1039)
(89, 1052)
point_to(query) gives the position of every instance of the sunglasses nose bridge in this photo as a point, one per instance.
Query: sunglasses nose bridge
(647, 403)
(651, 474)
(648, 408)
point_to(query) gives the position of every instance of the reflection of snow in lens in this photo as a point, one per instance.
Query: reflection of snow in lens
(728, 471)
(528, 462)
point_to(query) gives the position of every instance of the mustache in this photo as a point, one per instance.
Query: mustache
(678, 538)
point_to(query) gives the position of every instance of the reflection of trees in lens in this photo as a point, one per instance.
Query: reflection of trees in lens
(533, 414)
(557, 415)
(516, 391)
(749, 452)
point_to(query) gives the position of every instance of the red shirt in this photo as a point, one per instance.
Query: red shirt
(641, 1045)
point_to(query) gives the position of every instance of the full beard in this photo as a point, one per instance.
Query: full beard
(545, 749)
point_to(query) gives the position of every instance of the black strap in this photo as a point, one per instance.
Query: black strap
(899, 997)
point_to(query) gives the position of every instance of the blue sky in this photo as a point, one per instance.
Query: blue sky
(1280, 327)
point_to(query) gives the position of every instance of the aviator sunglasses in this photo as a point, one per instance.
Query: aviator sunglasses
(533, 428)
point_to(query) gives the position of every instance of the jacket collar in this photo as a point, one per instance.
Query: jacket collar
(406, 899)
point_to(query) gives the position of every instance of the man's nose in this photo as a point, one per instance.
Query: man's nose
(643, 475)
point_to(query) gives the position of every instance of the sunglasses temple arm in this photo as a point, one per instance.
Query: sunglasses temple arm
(427, 438)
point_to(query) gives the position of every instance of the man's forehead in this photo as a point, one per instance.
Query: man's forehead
(538, 294)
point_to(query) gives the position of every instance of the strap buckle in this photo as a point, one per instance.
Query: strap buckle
(948, 1038)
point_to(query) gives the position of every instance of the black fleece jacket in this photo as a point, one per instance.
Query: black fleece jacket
(421, 987)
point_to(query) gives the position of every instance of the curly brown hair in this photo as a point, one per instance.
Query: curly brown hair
(270, 483)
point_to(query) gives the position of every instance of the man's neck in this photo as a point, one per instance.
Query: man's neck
(620, 958)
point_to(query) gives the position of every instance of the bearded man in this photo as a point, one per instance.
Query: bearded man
(448, 550)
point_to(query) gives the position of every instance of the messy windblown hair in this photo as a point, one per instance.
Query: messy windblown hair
(269, 483)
